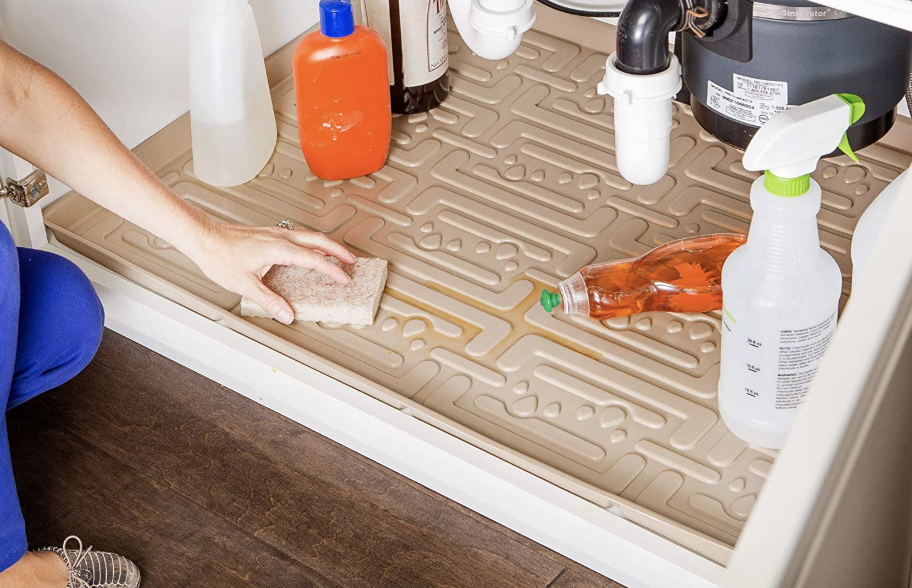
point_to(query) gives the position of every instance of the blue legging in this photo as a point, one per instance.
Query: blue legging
(50, 327)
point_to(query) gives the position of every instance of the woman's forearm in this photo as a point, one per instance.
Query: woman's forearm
(45, 121)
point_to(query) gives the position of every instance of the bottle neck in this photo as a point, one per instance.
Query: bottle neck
(575, 295)
(783, 234)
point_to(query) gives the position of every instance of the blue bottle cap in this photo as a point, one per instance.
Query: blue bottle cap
(337, 19)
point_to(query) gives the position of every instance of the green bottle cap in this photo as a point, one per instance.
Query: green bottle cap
(550, 300)
(788, 187)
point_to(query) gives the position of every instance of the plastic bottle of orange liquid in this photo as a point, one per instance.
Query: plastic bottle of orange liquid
(343, 98)
(680, 276)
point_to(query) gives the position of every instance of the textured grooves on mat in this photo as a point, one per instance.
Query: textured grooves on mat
(507, 188)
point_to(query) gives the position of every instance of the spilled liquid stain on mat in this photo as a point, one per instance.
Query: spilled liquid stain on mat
(508, 188)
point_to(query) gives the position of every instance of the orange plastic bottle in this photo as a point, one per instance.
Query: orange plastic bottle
(680, 276)
(343, 99)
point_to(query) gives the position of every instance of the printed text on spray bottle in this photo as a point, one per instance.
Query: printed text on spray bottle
(800, 352)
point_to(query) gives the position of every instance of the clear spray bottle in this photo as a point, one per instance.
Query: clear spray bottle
(781, 290)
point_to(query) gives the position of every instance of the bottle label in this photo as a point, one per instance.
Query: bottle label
(423, 26)
(425, 53)
(376, 15)
(800, 353)
(752, 101)
(773, 369)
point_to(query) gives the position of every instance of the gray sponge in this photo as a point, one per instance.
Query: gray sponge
(317, 298)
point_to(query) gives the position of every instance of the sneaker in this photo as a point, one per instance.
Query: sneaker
(96, 569)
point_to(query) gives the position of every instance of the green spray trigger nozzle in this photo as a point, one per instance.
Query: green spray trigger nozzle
(550, 300)
(857, 106)
(846, 148)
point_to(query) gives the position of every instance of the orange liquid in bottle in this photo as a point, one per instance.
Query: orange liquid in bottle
(680, 276)
(343, 98)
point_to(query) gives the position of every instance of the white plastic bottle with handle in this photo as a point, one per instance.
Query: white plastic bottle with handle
(781, 290)
(231, 115)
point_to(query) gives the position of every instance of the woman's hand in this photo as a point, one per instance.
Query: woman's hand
(236, 257)
(47, 123)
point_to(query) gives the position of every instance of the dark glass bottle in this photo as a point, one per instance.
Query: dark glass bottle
(415, 32)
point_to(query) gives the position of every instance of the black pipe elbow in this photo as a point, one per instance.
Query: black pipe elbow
(642, 34)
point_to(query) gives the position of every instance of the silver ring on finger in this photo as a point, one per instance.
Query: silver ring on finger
(285, 224)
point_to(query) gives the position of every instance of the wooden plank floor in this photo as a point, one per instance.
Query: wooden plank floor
(204, 488)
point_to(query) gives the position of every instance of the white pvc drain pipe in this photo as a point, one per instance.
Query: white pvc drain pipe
(642, 119)
(493, 29)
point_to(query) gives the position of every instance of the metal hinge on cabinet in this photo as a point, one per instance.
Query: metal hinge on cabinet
(28, 190)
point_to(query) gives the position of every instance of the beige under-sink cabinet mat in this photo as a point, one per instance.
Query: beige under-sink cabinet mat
(506, 189)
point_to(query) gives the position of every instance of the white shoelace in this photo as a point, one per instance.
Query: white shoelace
(75, 580)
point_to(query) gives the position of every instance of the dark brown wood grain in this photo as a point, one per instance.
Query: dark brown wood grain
(164, 463)
(68, 488)
(578, 577)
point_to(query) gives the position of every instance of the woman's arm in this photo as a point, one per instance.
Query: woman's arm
(43, 120)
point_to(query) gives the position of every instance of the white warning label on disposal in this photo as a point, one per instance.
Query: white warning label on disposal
(764, 90)
(753, 101)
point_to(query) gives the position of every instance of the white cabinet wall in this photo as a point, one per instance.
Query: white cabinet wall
(134, 74)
